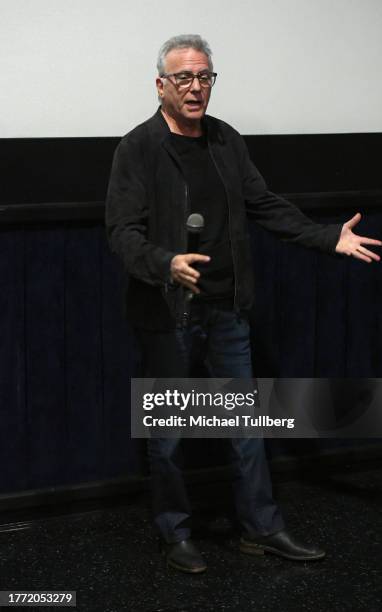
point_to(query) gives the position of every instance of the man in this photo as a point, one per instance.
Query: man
(182, 161)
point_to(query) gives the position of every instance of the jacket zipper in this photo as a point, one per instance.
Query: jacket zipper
(185, 314)
(229, 223)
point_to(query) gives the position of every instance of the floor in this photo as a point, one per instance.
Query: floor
(109, 555)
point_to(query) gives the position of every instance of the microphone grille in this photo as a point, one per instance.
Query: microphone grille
(195, 223)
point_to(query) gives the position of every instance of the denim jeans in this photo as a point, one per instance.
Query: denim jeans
(220, 338)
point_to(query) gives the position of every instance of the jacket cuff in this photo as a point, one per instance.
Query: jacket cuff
(334, 232)
(167, 279)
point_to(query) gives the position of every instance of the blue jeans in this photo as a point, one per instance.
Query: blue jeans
(220, 338)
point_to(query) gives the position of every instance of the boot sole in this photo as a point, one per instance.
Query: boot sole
(186, 570)
(260, 549)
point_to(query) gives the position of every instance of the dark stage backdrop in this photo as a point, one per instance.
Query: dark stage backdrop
(66, 352)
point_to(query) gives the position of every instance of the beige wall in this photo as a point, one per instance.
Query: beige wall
(87, 67)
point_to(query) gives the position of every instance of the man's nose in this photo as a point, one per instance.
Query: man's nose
(195, 85)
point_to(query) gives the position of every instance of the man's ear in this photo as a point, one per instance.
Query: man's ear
(159, 84)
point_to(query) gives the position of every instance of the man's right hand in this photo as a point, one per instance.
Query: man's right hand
(182, 271)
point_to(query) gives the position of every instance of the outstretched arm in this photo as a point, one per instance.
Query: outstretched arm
(289, 223)
(352, 244)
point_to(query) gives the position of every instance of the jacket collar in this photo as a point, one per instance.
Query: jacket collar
(158, 125)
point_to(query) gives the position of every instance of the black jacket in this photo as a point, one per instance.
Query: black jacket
(147, 207)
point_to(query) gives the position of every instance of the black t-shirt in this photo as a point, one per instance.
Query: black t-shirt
(207, 197)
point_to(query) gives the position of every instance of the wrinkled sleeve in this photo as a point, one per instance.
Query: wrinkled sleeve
(127, 216)
(280, 216)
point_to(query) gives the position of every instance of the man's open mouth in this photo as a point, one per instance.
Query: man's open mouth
(193, 103)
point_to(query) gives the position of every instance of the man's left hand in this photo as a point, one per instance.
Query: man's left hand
(351, 244)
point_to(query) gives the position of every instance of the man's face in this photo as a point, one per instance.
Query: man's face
(188, 104)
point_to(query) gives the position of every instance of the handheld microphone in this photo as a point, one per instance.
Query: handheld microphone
(195, 226)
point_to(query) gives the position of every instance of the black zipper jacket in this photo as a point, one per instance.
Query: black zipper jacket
(147, 206)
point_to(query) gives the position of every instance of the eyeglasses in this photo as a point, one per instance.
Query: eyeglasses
(184, 80)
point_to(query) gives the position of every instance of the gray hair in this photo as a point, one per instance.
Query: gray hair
(184, 41)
